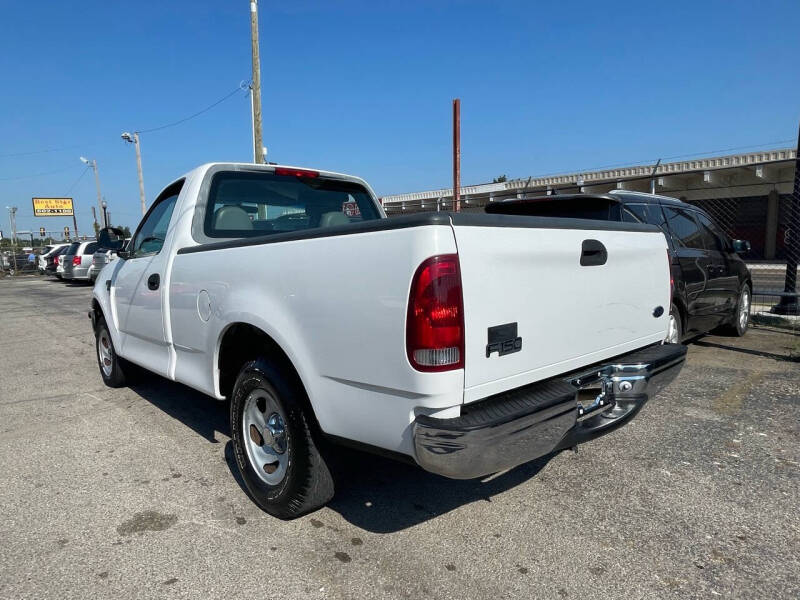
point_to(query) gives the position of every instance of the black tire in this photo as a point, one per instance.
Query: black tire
(305, 482)
(737, 326)
(112, 367)
(677, 335)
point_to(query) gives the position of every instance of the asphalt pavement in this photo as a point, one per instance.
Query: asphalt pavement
(133, 493)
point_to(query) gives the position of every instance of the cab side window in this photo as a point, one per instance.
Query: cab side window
(714, 239)
(152, 232)
(685, 231)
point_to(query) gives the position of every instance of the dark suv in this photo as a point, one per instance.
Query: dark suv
(712, 286)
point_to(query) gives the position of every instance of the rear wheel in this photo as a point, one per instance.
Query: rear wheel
(111, 365)
(275, 447)
(675, 329)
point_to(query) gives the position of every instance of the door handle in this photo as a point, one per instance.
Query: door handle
(153, 281)
(593, 253)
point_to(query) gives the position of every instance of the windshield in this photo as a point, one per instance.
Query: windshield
(249, 204)
(73, 248)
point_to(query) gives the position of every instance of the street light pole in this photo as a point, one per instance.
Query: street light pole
(134, 139)
(93, 163)
(12, 217)
(256, 90)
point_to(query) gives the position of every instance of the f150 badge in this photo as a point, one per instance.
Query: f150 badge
(503, 339)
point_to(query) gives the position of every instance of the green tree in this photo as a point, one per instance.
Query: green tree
(501, 179)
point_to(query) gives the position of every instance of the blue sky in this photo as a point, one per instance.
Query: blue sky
(366, 88)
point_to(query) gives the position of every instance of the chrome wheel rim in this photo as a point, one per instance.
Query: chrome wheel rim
(673, 332)
(265, 437)
(105, 353)
(744, 309)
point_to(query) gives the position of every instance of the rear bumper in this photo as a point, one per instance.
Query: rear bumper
(517, 426)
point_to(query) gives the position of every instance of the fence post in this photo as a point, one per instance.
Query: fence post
(788, 304)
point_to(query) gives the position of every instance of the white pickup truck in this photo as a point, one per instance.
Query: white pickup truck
(469, 343)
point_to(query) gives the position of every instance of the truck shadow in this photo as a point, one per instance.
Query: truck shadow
(381, 495)
(374, 493)
(202, 414)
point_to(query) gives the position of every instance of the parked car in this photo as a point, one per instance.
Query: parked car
(53, 259)
(712, 286)
(101, 258)
(76, 261)
(47, 252)
(426, 336)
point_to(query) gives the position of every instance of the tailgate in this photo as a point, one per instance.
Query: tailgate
(527, 272)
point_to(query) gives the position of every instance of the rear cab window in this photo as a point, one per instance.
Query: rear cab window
(245, 204)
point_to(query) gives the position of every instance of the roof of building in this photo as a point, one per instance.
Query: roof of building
(608, 178)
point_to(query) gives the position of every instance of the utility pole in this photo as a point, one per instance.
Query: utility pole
(12, 217)
(94, 217)
(653, 178)
(139, 171)
(134, 139)
(457, 155)
(93, 164)
(258, 141)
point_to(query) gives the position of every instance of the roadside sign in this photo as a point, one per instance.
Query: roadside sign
(41, 232)
(52, 207)
(66, 233)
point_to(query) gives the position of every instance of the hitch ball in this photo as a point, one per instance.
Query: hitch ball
(625, 386)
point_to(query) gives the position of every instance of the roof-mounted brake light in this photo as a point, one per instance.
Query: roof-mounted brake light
(296, 172)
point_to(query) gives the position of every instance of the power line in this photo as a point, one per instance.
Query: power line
(72, 187)
(197, 114)
(243, 86)
(33, 152)
(32, 175)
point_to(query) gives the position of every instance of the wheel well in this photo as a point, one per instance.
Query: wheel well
(243, 342)
(97, 313)
(682, 310)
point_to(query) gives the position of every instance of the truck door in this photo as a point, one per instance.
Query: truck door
(137, 288)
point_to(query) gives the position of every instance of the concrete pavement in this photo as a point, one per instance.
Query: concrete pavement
(133, 493)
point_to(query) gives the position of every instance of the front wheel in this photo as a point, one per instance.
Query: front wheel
(111, 365)
(274, 445)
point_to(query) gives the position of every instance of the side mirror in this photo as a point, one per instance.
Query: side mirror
(741, 246)
(111, 238)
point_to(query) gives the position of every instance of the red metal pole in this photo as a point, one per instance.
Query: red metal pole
(457, 155)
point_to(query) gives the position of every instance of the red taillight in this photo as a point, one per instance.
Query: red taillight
(295, 172)
(55, 261)
(76, 260)
(435, 321)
